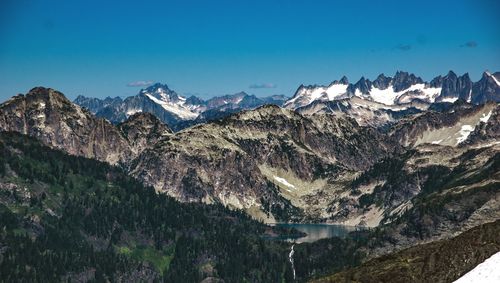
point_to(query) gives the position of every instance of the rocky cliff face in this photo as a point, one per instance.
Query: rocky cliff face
(450, 127)
(143, 130)
(453, 86)
(486, 89)
(47, 115)
(261, 159)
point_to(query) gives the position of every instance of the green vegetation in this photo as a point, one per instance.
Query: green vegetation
(160, 259)
(70, 218)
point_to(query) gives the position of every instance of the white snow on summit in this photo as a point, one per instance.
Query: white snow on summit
(389, 97)
(177, 108)
(307, 95)
(310, 94)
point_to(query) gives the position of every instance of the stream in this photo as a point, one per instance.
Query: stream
(314, 232)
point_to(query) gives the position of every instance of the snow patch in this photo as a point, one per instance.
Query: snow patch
(449, 99)
(332, 92)
(336, 90)
(388, 96)
(131, 112)
(284, 182)
(495, 79)
(464, 133)
(176, 109)
(436, 142)
(486, 272)
(485, 117)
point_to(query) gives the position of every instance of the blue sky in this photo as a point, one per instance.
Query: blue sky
(98, 48)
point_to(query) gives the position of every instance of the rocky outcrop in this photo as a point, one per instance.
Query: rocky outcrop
(143, 130)
(47, 115)
(486, 89)
(451, 126)
(453, 86)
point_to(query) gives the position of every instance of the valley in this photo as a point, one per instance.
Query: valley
(383, 186)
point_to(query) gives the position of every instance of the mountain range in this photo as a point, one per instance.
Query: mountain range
(173, 109)
(415, 161)
(275, 163)
(376, 102)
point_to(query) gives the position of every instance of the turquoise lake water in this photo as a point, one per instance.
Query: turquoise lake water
(317, 231)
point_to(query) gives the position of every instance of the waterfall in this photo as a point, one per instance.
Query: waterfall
(290, 257)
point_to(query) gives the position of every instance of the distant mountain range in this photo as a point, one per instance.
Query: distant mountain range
(402, 89)
(173, 109)
(386, 100)
(378, 102)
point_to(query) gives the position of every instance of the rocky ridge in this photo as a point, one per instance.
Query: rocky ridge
(275, 163)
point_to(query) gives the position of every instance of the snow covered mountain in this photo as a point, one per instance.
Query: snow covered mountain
(157, 99)
(173, 109)
(305, 95)
(403, 88)
(170, 101)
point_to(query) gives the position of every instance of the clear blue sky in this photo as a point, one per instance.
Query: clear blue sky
(96, 48)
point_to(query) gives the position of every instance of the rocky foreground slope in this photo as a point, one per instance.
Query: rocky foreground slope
(440, 261)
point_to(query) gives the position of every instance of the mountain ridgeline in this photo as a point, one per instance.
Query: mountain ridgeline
(173, 109)
(275, 163)
(385, 96)
(414, 161)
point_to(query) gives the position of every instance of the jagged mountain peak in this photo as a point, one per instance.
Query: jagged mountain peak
(493, 76)
(49, 101)
(241, 93)
(343, 81)
(363, 85)
(157, 86)
(403, 80)
(451, 74)
(45, 92)
(382, 81)
(163, 93)
(48, 115)
(404, 89)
